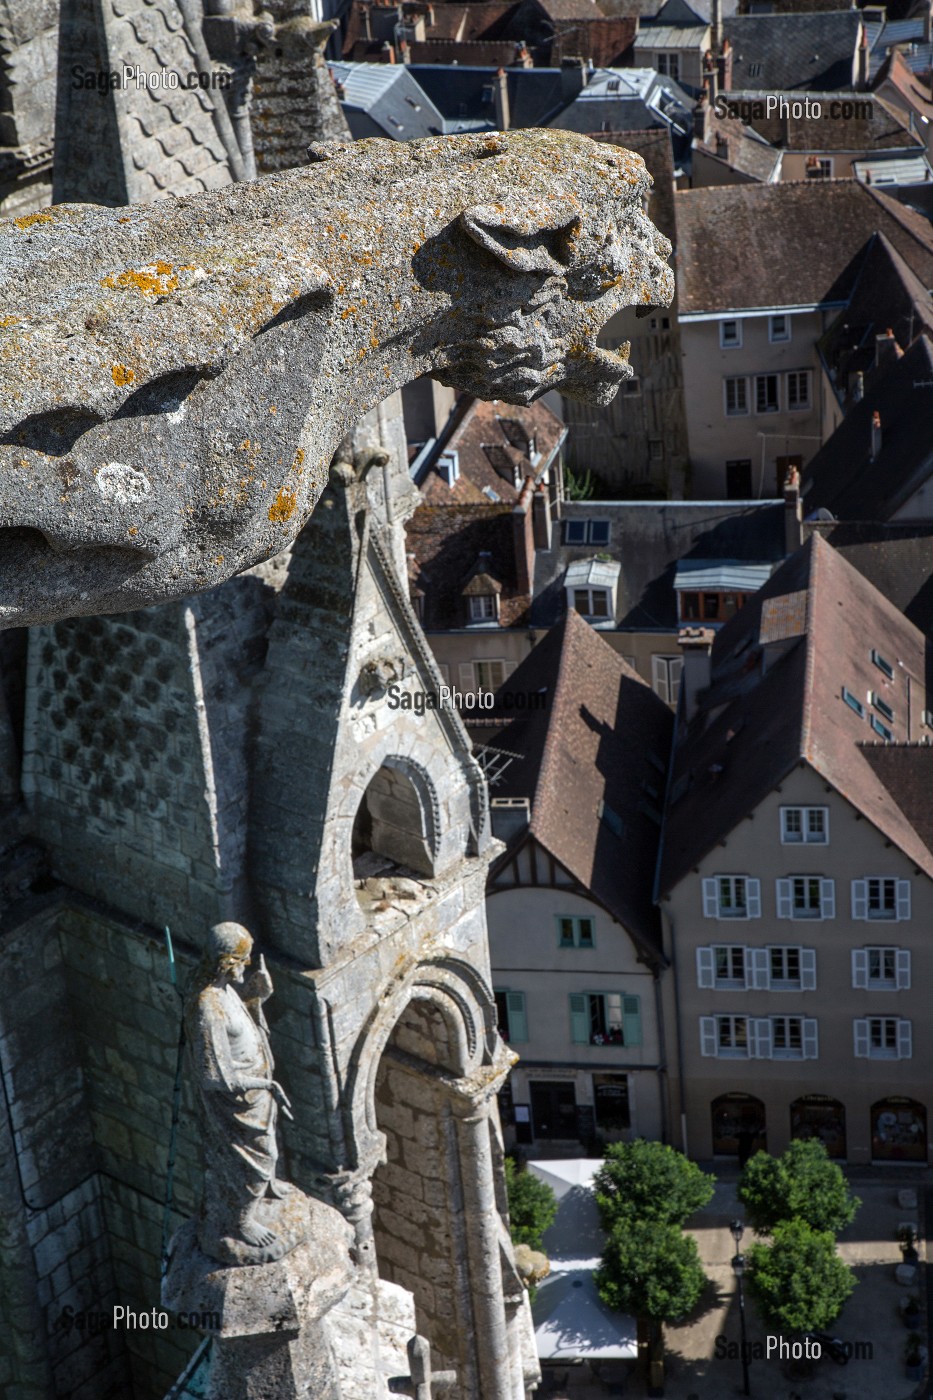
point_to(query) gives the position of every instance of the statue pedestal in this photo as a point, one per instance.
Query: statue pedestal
(273, 1333)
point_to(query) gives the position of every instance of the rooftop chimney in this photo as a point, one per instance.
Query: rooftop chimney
(701, 117)
(793, 511)
(716, 21)
(724, 64)
(696, 643)
(875, 436)
(500, 96)
(887, 349)
(523, 537)
(573, 78)
(541, 518)
(861, 63)
(710, 78)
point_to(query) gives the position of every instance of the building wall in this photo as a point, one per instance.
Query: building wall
(855, 850)
(716, 438)
(527, 958)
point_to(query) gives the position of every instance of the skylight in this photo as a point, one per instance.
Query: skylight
(881, 729)
(853, 702)
(883, 665)
(883, 708)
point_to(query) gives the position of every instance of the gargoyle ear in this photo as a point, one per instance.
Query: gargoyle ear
(535, 238)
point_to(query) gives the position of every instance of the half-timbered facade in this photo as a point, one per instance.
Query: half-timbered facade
(576, 785)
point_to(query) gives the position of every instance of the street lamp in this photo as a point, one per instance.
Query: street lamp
(737, 1230)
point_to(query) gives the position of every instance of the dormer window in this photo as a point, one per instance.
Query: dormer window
(484, 607)
(590, 588)
(448, 466)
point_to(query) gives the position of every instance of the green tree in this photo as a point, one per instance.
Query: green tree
(578, 487)
(799, 1281)
(649, 1181)
(651, 1269)
(532, 1205)
(803, 1184)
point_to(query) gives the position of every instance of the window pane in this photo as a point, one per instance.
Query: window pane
(600, 605)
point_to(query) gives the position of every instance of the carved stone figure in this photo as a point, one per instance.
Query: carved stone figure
(233, 1068)
(175, 377)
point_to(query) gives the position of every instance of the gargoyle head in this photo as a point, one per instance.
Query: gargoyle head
(175, 378)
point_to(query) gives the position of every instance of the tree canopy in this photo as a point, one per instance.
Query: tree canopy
(799, 1282)
(532, 1205)
(802, 1184)
(649, 1181)
(650, 1269)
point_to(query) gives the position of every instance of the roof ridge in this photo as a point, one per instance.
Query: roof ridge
(816, 543)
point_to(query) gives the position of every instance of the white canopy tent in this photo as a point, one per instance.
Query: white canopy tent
(570, 1320)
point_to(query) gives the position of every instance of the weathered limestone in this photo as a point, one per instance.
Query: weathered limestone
(177, 377)
(248, 1214)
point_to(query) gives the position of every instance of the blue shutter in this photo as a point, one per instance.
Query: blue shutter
(860, 1030)
(827, 899)
(579, 1019)
(902, 965)
(904, 1040)
(808, 969)
(631, 1020)
(810, 1038)
(860, 899)
(708, 1040)
(903, 899)
(706, 968)
(753, 899)
(785, 899)
(859, 968)
(710, 899)
(518, 1026)
(757, 969)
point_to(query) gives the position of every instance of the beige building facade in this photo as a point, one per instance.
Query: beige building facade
(754, 398)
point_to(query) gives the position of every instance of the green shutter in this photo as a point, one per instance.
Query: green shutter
(631, 1020)
(579, 1019)
(518, 1026)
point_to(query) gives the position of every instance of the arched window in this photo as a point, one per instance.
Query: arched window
(395, 829)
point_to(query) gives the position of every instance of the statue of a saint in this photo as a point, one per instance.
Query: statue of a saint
(233, 1069)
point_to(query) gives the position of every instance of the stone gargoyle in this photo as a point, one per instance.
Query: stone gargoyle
(177, 376)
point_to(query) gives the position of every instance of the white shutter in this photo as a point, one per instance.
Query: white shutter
(904, 1040)
(659, 678)
(859, 968)
(466, 676)
(706, 968)
(811, 1042)
(827, 899)
(860, 899)
(903, 899)
(808, 969)
(785, 899)
(753, 899)
(708, 1035)
(710, 899)
(902, 965)
(759, 1038)
(860, 1028)
(757, 969)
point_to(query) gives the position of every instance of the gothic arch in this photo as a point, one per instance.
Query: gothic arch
(398, 817)
(455, 990)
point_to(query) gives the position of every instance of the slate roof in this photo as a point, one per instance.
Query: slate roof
(627, 99)
(648, 539)
(493, 444)
(733, 144)
(896, 557)
(444, 544)
(753, 728)
(389, 96)
(462, 94)
(843, 478)
(742, 246)
(887, 294)
(783, 52)
(603, 736)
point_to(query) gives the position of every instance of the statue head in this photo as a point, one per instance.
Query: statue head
(229, 948)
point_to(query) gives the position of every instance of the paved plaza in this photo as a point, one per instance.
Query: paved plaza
(870, 1321)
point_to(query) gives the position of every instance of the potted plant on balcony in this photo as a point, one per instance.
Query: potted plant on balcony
(914, 1357)
(910, 1312)
(907, 1239)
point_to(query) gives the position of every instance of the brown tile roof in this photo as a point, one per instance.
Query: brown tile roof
(783, 617)
(602, 738)
(744, 246)
(753, 728)
(447, 542)
(845, 478)
(475, 53)
(915, 92)
(492, 441)
(732, 144)
(882, 131)
(607, 42)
